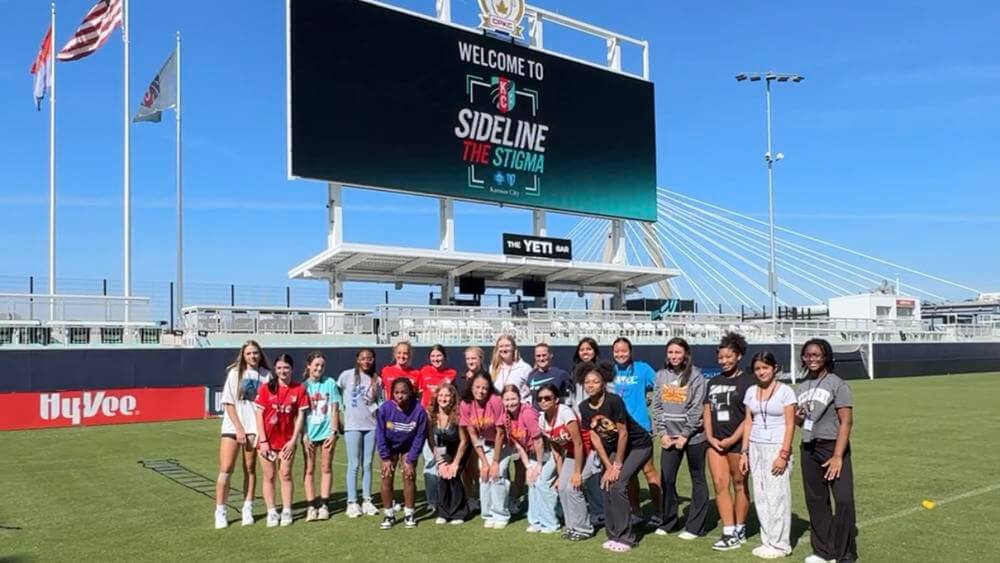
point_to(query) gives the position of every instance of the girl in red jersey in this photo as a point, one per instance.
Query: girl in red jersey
(281, 406)
(402, 353)
(432, 376)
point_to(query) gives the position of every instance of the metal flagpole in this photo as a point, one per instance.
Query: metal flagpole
(127, 173)
(180, 192)
(52, 166)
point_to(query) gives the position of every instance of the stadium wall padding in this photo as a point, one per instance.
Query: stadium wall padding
(45, 370)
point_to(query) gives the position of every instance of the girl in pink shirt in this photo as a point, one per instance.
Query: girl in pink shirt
(524, 435)
(481, 414)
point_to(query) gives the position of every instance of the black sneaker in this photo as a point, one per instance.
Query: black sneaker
(573, 535)
(741, 534)
(727, 543)
(410, 520)
(388, 521)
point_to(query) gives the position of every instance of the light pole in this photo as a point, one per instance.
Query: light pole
(770, 158)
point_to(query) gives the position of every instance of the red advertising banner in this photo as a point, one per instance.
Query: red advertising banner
(19, 411)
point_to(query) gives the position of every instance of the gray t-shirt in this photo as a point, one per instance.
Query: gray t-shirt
(820, 398)
(359, 404)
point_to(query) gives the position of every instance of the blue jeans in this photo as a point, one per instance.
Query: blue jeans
(360, 449)
(493, 494)
(543, 497)
(430, 476)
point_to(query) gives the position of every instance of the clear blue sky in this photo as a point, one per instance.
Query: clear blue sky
(891, 143)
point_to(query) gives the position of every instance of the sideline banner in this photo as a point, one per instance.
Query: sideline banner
(20, 411)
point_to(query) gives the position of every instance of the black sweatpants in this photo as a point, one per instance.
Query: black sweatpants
(452, 504)
(617, 508)
(834, 528)
(670, 463)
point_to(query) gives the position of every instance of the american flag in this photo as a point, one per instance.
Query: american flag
(97, 26)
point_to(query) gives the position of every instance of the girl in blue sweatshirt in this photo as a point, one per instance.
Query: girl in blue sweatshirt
(399, 436)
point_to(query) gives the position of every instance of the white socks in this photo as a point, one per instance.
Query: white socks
(729, 530)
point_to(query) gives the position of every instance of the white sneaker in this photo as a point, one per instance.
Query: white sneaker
(533, 529)
(368, 508)
(767, 552)
(813, 558)
(248, 514)
(440, 520)
(286, 518)
(272, 518)
(487, 523)
(323, 513)
(499, 524)
(311, 514)
(687, 536)
(457, 522)
(354, 510)
(220, 519)
(660, 532)
(544, 531)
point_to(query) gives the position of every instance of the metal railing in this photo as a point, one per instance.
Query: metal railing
(277, 320)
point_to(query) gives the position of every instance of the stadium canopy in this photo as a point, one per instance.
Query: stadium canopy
(419, 266)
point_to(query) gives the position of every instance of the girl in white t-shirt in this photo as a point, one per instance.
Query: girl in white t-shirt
(769, 427)
(244, 376)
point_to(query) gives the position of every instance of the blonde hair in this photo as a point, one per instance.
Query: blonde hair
(478, 352)
(240, 365)
(396, 346)
(495, 361)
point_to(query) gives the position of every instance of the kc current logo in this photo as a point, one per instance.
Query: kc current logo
(504, 93)
(502, 15)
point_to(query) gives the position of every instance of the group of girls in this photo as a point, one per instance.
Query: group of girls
(573, 443)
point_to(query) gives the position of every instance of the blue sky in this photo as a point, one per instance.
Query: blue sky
(891, 143)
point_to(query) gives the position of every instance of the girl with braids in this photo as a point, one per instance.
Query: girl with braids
(361, 392)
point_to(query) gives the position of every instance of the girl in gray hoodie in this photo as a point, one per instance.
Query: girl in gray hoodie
(678, 408)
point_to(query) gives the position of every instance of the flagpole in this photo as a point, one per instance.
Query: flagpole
(52, 166)
(127, 173)
(180, 192)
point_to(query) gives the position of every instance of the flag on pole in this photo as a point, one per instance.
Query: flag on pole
(94, 31)
(42, 69)
(161, 94)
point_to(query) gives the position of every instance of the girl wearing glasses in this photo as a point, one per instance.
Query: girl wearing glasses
(825, 413)
(570, 447)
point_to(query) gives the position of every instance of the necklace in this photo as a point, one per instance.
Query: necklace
(763, 402)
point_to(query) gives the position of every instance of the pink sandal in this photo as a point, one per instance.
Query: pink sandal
(617, 547)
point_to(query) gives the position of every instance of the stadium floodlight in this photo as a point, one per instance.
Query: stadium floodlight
(770, 76)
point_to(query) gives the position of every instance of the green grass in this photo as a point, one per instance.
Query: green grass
(78, 494)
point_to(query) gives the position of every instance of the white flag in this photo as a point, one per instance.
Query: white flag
(161, 94)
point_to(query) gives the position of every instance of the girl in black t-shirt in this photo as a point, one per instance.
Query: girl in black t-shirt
(623, 446)
(724, 415)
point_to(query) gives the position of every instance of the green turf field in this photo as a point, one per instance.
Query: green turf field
(79, 494)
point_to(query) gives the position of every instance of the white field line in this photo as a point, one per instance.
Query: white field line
(909, 511)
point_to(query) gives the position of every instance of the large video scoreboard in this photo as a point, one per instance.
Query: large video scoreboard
(387, 99)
